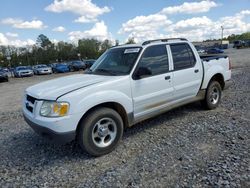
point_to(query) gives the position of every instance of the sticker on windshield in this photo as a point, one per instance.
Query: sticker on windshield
(131, 50)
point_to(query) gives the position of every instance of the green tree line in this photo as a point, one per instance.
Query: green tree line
(45, 51)
(243, 36)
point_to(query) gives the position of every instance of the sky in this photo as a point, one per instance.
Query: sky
(69, 20)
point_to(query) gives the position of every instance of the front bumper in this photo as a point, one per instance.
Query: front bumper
(25, 74)
(63, 71)
(57, 129)
(4, 78)
(56, 137)
(44, 72)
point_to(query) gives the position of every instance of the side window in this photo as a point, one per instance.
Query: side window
(155, 58)
(183, 56)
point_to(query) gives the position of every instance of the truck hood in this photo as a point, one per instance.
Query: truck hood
(52, 89)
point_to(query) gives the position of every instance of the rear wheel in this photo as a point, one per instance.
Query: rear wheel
(213, 95)
(100, 132)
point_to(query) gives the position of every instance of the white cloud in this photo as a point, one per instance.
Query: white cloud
(99, 31)
(4, 41)
(54, 41)
(201, 28)
(153, 26)
(59, 29)
(13, 35)
(87, 10)
(144, 27)
(190, 7)
(142, 23)
(243, 13)
(192, 23)
(20, 24)
(195, 29)
(85, 19)
(235, 24)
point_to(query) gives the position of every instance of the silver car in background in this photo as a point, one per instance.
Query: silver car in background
(23, 71)
(42, 69)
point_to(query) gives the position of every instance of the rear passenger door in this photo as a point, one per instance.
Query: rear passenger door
(187, 71)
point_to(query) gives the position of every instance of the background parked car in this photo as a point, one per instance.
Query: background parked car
(23, 71)
(76, 65)
(3, 75)
(215, 51)
(60, 68)
(89, 62)
(239, 44)
(8, 71)
(201, 51)
(42, 69)
(52, 66)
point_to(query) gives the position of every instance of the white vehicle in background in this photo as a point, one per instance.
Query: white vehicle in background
(42, 69)
(126, 85)
(201, 51)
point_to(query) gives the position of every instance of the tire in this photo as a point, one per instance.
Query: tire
(97, 139)
(213, 95)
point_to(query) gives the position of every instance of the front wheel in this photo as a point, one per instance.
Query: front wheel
(213, 95)
(100, 132)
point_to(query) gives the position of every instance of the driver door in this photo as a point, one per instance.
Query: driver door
(152, 91)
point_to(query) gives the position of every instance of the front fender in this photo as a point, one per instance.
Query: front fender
(97, 98)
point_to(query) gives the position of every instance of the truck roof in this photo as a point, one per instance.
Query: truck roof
(148, 42)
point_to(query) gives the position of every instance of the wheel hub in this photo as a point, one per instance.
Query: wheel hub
(103, 131)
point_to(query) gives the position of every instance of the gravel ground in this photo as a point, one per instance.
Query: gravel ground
(186, 147)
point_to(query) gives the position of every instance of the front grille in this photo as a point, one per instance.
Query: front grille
(31, 99)
(29, 108)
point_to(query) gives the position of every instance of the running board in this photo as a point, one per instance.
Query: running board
(200, 96)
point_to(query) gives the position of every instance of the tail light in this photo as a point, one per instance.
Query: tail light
(230, 65)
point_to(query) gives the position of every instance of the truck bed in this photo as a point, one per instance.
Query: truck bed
(212, 63)
(212, 57)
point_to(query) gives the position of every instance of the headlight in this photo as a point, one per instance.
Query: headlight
(54, 109)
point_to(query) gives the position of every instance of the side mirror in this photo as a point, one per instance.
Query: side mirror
(142, 72)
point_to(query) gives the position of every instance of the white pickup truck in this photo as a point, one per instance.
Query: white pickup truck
(126, 85)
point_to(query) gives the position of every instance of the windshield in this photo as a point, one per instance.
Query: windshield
(116, 61)
(42, 66)
(22, 68)
(61, 64)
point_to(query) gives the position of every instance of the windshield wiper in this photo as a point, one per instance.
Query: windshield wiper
(105, 71)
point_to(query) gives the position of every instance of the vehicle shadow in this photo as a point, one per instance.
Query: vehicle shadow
(26, 148)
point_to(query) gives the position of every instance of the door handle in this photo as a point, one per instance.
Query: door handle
(196, 70)
(167, 77)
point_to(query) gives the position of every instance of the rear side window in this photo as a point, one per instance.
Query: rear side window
(155, 58)
(183, 56)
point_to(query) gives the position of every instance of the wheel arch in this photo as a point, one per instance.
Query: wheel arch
(113, 105)
(219, 78)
